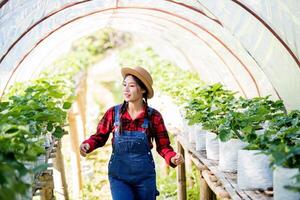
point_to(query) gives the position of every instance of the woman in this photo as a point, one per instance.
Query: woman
(134, 126)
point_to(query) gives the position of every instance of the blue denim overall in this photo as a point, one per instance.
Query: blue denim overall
(131, 167)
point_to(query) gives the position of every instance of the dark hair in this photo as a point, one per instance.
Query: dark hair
(125, 104)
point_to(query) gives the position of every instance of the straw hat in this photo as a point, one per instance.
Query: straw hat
(141, 74)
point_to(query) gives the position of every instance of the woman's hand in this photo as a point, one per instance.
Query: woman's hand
(84, 148)
(177, 159)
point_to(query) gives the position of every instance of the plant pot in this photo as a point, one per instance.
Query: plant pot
(228, 154)
(200, 135)
(189, 131)
(282, 177)
(212, 146)
(253, 170)
(41, 160)
(192, 134)
(185, 127)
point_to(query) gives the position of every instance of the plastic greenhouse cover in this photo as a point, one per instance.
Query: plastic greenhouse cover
(250, 46)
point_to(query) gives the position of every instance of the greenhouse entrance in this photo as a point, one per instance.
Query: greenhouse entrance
(226, 80)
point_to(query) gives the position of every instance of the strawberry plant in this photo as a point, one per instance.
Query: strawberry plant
(284, 138)
(209, 105)
(284, 143)
(248, 116)
(24, 118)
(31, 110)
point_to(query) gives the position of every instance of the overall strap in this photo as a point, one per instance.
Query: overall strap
(146, 120)
(117, 110)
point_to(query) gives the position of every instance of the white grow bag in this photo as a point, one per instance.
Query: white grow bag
(192, 134)
(282, 177)
(254, 170)
(212, 146)
(200, 137)
(228, 154)
(189, 131)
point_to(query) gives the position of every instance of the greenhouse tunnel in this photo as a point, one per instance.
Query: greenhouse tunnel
(252, 47)
(224, 41)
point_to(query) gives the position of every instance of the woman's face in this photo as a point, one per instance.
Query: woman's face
(132, 92)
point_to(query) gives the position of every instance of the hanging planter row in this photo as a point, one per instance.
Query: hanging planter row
(248, 136)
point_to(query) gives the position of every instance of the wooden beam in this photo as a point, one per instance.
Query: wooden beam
(214, 184)
(181, 176)
(198, 163)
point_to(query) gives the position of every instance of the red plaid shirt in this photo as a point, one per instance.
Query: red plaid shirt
(159, 132)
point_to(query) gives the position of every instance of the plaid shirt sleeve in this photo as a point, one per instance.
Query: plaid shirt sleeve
(105, 126)
(161, 136)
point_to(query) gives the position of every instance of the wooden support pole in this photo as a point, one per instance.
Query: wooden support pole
(75, 157)
(181, 176)
(81, 100)
(205, 192)
(59, 165)
(188, 162)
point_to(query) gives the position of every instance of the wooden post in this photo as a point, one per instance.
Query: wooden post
(59, 165)
(181, 176)
(48, 186)
(81, 100)
(75, 156)
(205, 192)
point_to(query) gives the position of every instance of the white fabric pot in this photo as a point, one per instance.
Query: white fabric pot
(253, 170)
(185, 127)
(282, 177)
(212, 146)
(228, 154)
(200, 137)
(192, 134)
(189, 131)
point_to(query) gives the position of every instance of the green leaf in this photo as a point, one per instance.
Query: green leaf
(59, 132)
(49, 127)
(67, 105)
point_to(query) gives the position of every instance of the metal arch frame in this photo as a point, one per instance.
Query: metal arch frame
(159, 10)
(188, 30)
(199, 11)
(195, 9)
(208, 45)
(203, 29)
(36, 23)
(84, 1)
(138, 8)
(197, 37)
(2, 3)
